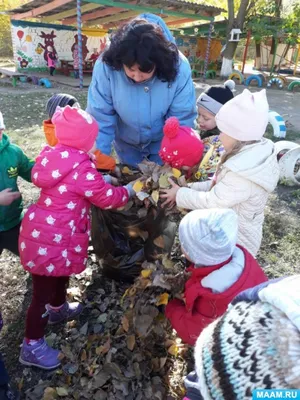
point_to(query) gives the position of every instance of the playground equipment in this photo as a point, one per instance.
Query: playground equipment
(275, 81)
(292, 85)
(278, 124)
(237, 75)
(210, 74)
(45, 82)
(289, 165)
(257, 78)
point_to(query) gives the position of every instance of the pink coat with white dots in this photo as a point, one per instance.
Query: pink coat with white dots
(54, 234)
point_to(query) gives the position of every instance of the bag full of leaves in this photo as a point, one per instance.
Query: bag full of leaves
(143, 230)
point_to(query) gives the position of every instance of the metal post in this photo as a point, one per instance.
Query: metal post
(79, 44)
(210, 31)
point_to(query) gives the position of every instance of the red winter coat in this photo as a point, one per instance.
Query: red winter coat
(54, 234)
(202, 305)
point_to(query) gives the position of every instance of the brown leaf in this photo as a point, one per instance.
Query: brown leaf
(83, 355)
(162, 299)
(49, 394)
(101, 350)
(162, 362)
(125, 323)
(130, 341)
(159, 242)
(100, 379)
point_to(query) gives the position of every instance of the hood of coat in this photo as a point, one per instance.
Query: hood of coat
(4, 142)
(258, 163)
(154, 19)
(55, 163)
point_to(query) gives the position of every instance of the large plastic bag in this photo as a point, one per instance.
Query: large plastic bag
(123, 240)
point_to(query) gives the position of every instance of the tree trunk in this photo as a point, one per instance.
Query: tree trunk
(257, 56)
(231, 46)
(228, 59)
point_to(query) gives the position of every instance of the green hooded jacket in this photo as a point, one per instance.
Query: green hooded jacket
(13, 163)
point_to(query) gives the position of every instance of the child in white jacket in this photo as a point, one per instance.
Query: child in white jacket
(247, 173)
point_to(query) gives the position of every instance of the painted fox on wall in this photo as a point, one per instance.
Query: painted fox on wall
(48, 41)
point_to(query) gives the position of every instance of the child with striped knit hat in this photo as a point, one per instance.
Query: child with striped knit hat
(254, 345)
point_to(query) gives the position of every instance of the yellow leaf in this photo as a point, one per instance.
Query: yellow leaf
(173, 350)
(62, 392)
(159, 242)
(176, 173)
(164, 181)
(126, 171)
(125, 323)
(130, 341)
(146, 273)
(138, 186)
(155, 196)
(166, 262)
(207, 157)
(162, 299)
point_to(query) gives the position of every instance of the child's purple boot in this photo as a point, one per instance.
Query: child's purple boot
(39, 355)
(66, 312)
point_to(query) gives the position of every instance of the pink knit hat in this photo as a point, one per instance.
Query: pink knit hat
(75, 128)
(245, 117)
(181, 146)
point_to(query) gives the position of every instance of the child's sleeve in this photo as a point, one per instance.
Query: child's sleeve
(91, 185)
(201, 186)
(231, 190)
(25, 166)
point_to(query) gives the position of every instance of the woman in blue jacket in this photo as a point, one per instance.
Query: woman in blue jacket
(140, 81)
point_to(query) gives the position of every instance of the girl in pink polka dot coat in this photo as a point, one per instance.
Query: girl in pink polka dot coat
(55, 231)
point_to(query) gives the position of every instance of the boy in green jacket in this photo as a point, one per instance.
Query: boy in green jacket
(13, 163)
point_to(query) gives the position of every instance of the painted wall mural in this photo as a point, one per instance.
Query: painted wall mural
(31, 43)
(195, 48)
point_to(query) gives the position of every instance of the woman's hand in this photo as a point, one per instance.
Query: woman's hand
(169, 195)
(7, 197)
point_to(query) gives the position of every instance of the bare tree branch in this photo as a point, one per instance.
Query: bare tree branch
(230, 14)
(242, 13)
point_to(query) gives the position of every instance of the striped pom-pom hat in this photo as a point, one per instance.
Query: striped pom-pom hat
(255, 345)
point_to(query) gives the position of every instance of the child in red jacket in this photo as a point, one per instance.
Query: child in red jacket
(220, 270)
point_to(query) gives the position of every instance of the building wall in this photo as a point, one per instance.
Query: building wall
(30, 42)
(195, 48)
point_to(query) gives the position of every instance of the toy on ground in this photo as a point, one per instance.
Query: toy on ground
(293, 85)
(256, 78)
(33, 79)
(237, 75)
(45, 82)
(278, 124)
(275, 81)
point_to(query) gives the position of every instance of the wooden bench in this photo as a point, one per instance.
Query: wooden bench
(11, 74)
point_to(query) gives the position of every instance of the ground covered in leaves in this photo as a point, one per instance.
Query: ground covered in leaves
(121, 347)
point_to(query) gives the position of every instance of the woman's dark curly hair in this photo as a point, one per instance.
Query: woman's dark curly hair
(143, 43)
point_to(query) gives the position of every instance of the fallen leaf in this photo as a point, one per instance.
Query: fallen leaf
(167, 263)
(173, 350)
(83, 355)
(100, 379)
(162, 299)
(130, 341)
(182, 181)
(142, 212)
(155, 196)
(176, 173)
(127, 171)
(125, 323)
(138, 186)
(146, 273)
(62, 392)
(163, 181)
(50, 394)
(104, 349)
(162, 362)
(84, 329)
(142, 195)
(159, 242)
